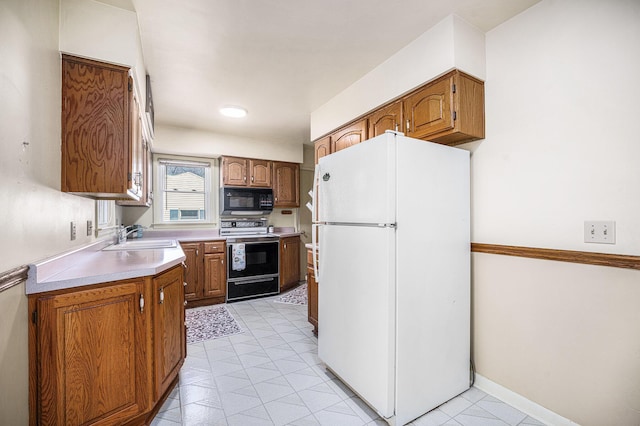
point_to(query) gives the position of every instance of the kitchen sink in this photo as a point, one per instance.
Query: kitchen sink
(142, 245)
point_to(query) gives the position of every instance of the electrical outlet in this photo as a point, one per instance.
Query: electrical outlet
(73, 231)
(89, 228)
(600, 231)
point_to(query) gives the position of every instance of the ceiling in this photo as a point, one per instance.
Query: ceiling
(279, 59)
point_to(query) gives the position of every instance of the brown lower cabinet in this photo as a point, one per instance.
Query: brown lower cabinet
(108, 353)
(289, 262)
(312, 293)
(206, 275)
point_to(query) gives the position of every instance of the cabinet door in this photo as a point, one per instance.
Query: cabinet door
(286, 184)
(234, 171)
(388, 118)
(351, 135)
(91, 351)
(289, 262)
(260, 173)
(193, 261)
(215, 276)
(96, 157)
(168, 327)
(429, 111)
(322, 147)
(312, 293)
(140, 158)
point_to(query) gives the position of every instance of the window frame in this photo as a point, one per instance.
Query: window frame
(207, 217)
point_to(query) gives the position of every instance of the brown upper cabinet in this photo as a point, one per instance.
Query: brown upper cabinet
(238, 171)
(450, 110)
(322, 147)
(283, 177)
(345, 137)
(101, 153)
(286, 184)
(349, 135)
(386, 118)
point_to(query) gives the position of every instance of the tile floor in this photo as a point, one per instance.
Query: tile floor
(271, 375)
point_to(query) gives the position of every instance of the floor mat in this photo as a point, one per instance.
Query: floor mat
(297, 296)
(210, 323)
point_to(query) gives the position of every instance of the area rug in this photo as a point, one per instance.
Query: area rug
(210, 323)
(297, 296)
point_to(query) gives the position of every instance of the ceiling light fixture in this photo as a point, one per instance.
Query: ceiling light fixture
(233, 111)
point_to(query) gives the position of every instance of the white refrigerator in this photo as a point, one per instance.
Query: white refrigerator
(393, 280)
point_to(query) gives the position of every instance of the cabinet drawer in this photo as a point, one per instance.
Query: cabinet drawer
(214, 247)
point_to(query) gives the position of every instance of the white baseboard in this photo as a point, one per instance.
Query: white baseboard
(523, 404)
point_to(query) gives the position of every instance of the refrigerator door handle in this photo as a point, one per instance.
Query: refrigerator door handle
(314, 225)
(314, 252)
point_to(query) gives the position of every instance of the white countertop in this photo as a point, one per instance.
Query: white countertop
(91, 265)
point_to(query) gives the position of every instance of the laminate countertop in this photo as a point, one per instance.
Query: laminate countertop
(92, 265)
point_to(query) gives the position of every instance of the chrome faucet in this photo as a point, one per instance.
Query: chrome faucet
(123, 233)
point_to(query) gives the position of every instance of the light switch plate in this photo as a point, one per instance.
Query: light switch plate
(73, 231)
(600, 231)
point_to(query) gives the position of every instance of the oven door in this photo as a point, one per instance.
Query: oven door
(260, 258)
(252, 269)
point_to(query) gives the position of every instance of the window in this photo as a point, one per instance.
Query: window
(105, 217)
(185, 188)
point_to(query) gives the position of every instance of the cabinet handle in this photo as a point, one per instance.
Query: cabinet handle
(184, 283)
(251, 178)
(141, 303)
(408, 126)
(185, 303)
(285, 246)
(184, 265)
(244, 178)
(161, 296)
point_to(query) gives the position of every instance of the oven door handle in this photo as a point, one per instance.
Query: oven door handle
(251, 280)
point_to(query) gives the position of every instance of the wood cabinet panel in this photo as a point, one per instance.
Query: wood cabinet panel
(289, 262)
(214, 247)
(286, 184)
(97, 157)
(312, 293)
(449, 110)
(206, 274)
(259, 173)
(106, 354)
(141, 161)
(91, 356)
(215, 276)
(348, 136)
(168, 327)
(322, 148)
(234, 171)
(192, 272)
(387, 118)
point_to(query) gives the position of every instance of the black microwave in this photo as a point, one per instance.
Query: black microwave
(245, 201)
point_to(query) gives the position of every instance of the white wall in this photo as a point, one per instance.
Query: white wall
(200, 143)
(561, 147)
(452, 43)
(562, 127)
(35, 215)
